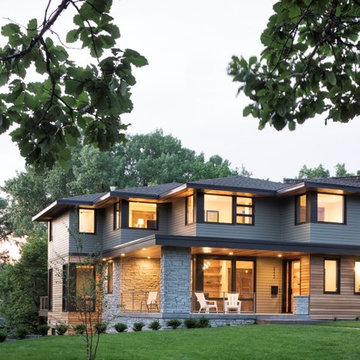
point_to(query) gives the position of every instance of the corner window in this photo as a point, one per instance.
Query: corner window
(331, 276)
(87, 221)
(50, 230)
(244, 210)
(357, 277)
(110, 277)
(85, 293)
(301, 209)
(190, 210)
(218, 209)
(117, 216)
(50, 289)
(330, 208)
(143, 215)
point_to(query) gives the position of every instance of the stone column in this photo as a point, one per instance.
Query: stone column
(175, 280)
(111, 302)
(301, 305)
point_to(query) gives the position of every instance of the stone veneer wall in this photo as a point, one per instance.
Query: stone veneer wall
(175, 280)
(137, 277)
(301, 305)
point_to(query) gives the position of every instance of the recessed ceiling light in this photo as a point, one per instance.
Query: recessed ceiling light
(122, 254)
(231, 253)
(279, 256)
(144, 248)
(206, 250)
(149, 257)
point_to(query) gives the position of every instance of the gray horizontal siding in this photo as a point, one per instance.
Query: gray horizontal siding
(290, 231)
(340, 234)
(85, 243)
(267, 224)
(59, 246)
(111, 237)
(177, 220)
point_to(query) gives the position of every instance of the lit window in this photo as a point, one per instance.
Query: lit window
(218, 209)
(190, 210)
(85, 281)
(331, 278)
(142, 215)
(357, 277)
(87, 221)
(244, 210)
(330, 208)
(301, 209)
(110, 277)
(117, 216)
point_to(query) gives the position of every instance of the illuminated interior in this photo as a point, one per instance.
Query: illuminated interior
(301, 209)
(87, 221)
(357, 276)
(244, 210)
(142, 215)
(330, 276)
(218, 208)
(190, 210)
(84, 280)
(330, 208)
(117, 216)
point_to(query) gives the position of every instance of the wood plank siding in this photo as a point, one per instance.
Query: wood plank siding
(344, 305)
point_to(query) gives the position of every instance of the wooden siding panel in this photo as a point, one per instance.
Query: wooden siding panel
(305, 275)
(268, 273)
(345, 305)
(266, 224)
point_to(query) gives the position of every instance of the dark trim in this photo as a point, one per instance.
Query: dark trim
(231, 188)
(338, 274)
(199, 207)
(313, 206)
(95, 220)
(50, 231)
(65, 287)
(50, 289)
(124, 214)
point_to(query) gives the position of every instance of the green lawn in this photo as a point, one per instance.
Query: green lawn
(352, 324)
(252, 342)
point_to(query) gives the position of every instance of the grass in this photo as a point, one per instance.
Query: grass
(251, 342)
(342, 324)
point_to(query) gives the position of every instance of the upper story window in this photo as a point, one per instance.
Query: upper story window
(301, 209)
(330, 208)
(190, 210)
(87, 221)
(331, 276)
(142, 215)
(244, 210)
(117, 215)
(218, 209)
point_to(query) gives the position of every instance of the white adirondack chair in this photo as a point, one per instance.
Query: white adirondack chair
(232, 303)
(151, 301)
(206, 305)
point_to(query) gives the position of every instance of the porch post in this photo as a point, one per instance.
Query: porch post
(175, 280)
(111, 302)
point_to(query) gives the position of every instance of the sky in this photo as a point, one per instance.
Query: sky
(185, 89)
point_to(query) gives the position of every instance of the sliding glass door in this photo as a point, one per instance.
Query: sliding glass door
(245, 284)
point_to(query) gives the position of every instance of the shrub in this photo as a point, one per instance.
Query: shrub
(120, 327)
(155, 325)
(3, 335)
(21, 332)
(138, 326)
(190, 323)
(357, 318)
(79, 329)
(61, 329)
(174, 323)
(100, 328)
(203, 322)
(43, 329)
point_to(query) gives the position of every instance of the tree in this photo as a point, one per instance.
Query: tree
(146, 159)
(70, 104)
(316, 172)
(309, 64)
(23, 283)
(341, 170)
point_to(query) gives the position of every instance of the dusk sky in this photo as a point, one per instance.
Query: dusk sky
(185, 89)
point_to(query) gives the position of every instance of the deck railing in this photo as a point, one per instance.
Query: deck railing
(140, 301)
(248, 301)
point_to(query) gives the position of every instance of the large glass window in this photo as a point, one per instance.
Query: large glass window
(218, 209)
(142, 215)
(244, 210)
(117, 216)
(330, 208)
(217, 277)
(331, 276)
(301, 209)
(110, 277)
(87, 221)
(190, 210)
(245, 284)
(357, 277)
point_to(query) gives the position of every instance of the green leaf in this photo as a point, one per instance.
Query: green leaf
(330, 77)
(135, 58)
(291, 125)
(247, 110)
(32, 28)
(10, 29)
(72, 35)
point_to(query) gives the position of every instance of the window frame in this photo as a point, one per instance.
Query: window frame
(331, 222)
(117, 214)
(297, 202)
(186, 210)
(50, 288)
(355, 261)
(157, 216)
(95, 216)
(50, 231)
(235, 214)
(338, 273)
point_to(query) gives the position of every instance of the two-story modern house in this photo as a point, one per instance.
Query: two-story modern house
(288, 250)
